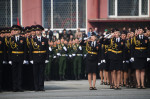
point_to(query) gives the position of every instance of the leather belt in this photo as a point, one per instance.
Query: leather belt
(117, 52)
(17, 52)
(38, 52)
(140, 48)
(92, 52)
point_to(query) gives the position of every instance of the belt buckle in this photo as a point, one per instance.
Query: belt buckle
(39, 51)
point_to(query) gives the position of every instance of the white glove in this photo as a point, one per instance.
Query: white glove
(103, 61)
(70, 56)
(58, 54)
(31, 62)
(127, 61)
(25, 62)
(46, 61)
(106, 35)
(4, 62)
(10, 62)
(148, 59)
(124, 61)
(80, 47)
(84, 55)
(99, 64)
(73, 54)
(54, 56)
(50, 49)
(85, 38)
(132, 59)
(65, 48)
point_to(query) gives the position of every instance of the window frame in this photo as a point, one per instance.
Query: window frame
(77, 17)
(140, 9)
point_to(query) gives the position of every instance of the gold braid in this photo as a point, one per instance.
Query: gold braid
(7, 42)
(28, 43)
(33, 44)
(13, 46)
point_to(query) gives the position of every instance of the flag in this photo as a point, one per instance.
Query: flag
(18, 23)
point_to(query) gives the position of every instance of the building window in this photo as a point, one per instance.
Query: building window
(10, 11)
(128, 8)
(60, 14)
(16, 11)
(64, 13)
(47, 13)
(5, 20)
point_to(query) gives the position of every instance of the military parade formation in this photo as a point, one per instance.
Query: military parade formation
(29, 56)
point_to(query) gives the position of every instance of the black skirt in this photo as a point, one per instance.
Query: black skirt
(116, 64)
(125, 67)
(91, 65)
(140, 63)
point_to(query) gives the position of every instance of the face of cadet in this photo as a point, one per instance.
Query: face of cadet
(62, 40)
(16, 32)
(58, 42)
(128, 35)
(117, 33)
(123, 36)
(38, 32)
(33, 33)
(65, 42)
(93, 38)
(140, 31)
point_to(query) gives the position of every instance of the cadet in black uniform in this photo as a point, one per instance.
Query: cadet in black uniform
(92, 61)
(139, 54)
(38, 57)
(2, 53)
(17, 57)
(116, 58)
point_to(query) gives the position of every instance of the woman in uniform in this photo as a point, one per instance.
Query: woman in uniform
(92, 61)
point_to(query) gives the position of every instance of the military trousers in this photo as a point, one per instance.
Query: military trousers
(77, 65)
(62, 65)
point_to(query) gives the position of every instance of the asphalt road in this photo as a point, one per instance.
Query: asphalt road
(78, 90)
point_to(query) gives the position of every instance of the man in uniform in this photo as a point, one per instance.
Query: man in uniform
(38, 57)
(2, 53)
(17, 57)
(49, 65)
(62, 51)
(77, 61)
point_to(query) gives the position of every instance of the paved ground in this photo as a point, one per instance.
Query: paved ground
(78, 90)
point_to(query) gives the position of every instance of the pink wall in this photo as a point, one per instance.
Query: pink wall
(103, 9)
(149, 9)
(31, 12)
(92, 11)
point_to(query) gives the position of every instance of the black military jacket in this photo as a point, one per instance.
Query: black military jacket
(39, 51)
(18, 49)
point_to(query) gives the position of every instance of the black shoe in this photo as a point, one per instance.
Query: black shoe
(41, 90)
(20, 90)
(94, 88)
(15, 90)
(91, 88)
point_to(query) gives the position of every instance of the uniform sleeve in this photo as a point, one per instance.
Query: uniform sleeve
(47, 50)
(30, 50)
(25, 49)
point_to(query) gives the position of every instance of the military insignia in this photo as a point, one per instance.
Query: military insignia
(12, 42)
(35, 43)
(43, 43)
(21, 41)
(0, 42)
(145, 41)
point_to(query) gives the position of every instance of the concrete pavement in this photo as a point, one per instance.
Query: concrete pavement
(78, 90)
